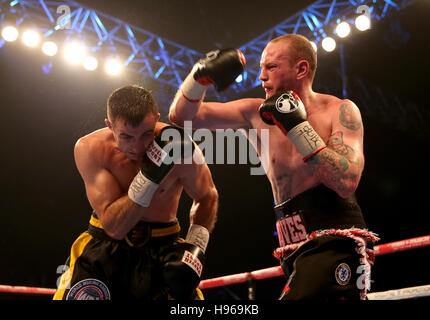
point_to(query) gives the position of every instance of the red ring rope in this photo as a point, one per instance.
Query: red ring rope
(272, 272)
(28, 290)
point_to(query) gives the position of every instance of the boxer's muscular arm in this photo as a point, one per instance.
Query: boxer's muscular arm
(212, 115)
(198, 184)
(178, 274)
(117, 213)
(339, 166)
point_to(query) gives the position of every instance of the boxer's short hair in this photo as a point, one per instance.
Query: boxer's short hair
(131, 103)
(301, 49)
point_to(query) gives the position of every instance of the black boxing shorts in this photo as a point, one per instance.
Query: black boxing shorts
(326, 251)
(102, 268)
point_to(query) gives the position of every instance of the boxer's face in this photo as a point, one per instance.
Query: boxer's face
(134, 141)
(276, 71)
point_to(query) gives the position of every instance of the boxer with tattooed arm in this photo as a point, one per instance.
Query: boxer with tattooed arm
(315, 161)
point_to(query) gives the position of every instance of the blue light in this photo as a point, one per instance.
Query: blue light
(47, 67)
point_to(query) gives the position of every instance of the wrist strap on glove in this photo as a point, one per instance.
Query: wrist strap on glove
(192, 90)
(198, 236)
(306, 140)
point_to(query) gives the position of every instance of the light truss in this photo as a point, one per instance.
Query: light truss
(141, 51)
(315, 22)
(165, 61)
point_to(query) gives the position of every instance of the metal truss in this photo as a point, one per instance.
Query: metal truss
(162, 60)
(141, 51)
(315, 22)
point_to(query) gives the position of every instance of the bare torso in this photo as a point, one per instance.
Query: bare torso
(164, 204)
(288, 174)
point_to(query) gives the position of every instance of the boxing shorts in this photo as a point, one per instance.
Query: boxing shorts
(326, 251)
(102, 268)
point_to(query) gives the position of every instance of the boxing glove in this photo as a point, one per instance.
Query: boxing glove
(285, 110)
(219, 67)
(182, 270)
(183, 265)
(158, 161)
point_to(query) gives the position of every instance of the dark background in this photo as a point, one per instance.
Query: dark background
(42, 198)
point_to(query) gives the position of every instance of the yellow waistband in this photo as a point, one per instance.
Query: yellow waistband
(159, 232)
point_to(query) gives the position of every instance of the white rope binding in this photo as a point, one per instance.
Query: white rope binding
(400, 294)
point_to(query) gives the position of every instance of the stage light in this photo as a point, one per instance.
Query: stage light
(74, 52)
(328, 44)
(239, 78)
(49, 48)
(113, 67)
(343, 29)
(314, 45)
(30, 38)
(90, 63)
(9, 33)
(362, 22)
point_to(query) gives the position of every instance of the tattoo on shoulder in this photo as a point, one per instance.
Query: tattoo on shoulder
(347, 117)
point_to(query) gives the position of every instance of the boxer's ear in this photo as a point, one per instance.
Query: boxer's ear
(303, 69)
(108, 124)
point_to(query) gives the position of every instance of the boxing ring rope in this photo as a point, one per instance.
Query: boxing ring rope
(397, 246)
(26, 290)
(272, 272)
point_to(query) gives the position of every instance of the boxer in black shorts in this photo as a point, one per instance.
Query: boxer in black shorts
(134, 172)
(326, 251)
(103, 268)
(315, 142)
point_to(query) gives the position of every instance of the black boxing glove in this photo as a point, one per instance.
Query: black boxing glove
(182, 269)
(285, 110)
(158, 161)
(183, 265)
(219, 67)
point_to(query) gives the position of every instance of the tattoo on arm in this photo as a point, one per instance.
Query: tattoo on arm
(327, 157)
(335, 142)
(343, 163)
(348, 119)
(337, 166)
(337, 159)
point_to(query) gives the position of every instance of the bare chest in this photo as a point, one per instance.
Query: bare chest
(123, 169)
(284, 166)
